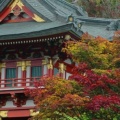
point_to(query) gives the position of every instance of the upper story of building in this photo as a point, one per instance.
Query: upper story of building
(32, 30)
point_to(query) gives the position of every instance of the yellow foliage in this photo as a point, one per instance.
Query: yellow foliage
(97, 52)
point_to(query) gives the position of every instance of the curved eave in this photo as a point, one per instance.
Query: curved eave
(45, 32)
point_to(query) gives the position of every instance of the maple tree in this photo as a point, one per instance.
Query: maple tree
(97, 52)
(92, 91)
(116, 40)
(85, 96)
(101, 55)
(102, 8)
(58, 99)
(104, 93)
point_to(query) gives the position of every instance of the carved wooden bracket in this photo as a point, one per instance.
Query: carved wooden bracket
(19, 99)
(50, 65)
(62, 68)
(24, 64)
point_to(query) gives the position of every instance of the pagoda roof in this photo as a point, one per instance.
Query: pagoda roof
(100, 26)
(35, 29)
(59, 16)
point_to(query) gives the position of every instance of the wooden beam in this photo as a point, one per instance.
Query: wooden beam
(4, 14)
(18, 113)
(17, 108)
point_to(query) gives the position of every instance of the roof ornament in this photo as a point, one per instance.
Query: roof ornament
(79, 23)
(76, 21)
(79, 8)
(114, 25)
(67, 37)
(16, 10)
(118, 24)
(70, 18)
(74, 1)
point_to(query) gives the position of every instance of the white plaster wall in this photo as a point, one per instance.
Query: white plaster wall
(9, 104)
(68, 61)
(67, 75)
(29, 103)
(45, 70)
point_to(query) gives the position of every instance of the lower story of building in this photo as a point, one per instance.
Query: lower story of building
(19, 114)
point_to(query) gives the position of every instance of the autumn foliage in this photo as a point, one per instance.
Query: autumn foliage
(58, 98)
(100, 8)
(85, 96)
(98, 53)
(104, 93)
(92, 91)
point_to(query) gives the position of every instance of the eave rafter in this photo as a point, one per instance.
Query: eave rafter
(16, 7)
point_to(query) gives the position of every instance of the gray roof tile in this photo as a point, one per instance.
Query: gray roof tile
(40, 9)
(56, 13)
(4, 3)
(98, 30)
(26, 27)
(34, 29)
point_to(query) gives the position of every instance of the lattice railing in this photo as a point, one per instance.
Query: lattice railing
(18, 82)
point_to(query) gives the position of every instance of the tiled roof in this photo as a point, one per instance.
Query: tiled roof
(26, 27)
(100, 26)
(34, 29)
(98, 30)
(4, 3)
(56, 14)
(49, 9)
(40, 9)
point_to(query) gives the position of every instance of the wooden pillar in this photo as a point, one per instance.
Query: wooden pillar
(24, 73)
(23, 70)
(22, 64)
(50, 68)
(62, 70)
(28, 79)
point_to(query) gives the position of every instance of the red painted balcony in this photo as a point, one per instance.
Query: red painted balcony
(18, 84)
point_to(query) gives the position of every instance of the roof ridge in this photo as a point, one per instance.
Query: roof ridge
(77, 8)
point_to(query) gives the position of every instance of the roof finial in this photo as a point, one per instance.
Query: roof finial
(74, 1)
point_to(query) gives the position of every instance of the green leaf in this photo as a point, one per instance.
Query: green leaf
(115, 118)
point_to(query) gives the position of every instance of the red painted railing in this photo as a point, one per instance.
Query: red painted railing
(18, 82)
